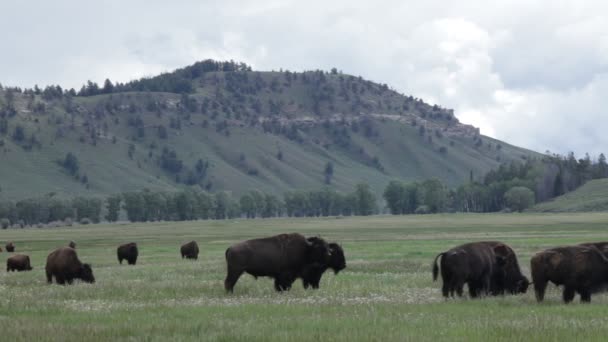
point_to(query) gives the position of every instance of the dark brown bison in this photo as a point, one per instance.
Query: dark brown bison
(282, 257)
(487, 267)
(63, 264)
(311, 275)
(10, 247)
(18, 262)
(128, 252)
(189, 250)
(582, 269)
(72, 244)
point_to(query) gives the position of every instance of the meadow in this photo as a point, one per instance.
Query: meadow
(386, 292)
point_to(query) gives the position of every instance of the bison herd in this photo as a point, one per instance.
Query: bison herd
(488, 268)
(491, 268)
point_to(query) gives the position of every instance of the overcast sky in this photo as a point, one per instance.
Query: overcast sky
(532, 73)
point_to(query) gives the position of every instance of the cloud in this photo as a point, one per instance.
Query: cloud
(532, 73)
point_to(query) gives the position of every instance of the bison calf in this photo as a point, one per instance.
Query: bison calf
(64, 265)
(282, 257)
(19, 263)
(128, 252)
(580, 269)
(189, 250)
(311, 275)
(10, 247)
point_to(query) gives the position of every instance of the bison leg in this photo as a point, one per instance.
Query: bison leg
(540, 286)
(59, 280)
(568, 294)
(49, 278)
(231, 278)
(120, 260)
(445, 290)
(585, 295)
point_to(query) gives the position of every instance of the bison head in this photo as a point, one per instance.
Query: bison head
(319, 250)
(337, 262)
(86, 273)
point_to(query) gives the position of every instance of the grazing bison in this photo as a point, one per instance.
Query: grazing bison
(10, 247)
(508, 277)
(487, 267)
(282, 257)
(18, 262)
(64, 265)
(311, 275)
(189, 250)
(128, 252)
(72, 244)
(582, 269)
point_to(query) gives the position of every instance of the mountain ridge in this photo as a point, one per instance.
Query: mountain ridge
(231, 128)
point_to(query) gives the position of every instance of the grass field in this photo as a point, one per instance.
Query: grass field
(386, 292)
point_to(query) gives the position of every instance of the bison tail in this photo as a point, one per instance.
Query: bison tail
(436, 267)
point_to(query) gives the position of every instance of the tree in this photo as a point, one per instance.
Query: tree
(434, 195)
(394, 194)
(113, 207)
(519, 198)
(71, 164)
(365, 200)
(19, 133)
(108, 87)
(328, 172)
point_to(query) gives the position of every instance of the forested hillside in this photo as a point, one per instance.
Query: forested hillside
(221, 126)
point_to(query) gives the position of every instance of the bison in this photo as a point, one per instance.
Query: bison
(582, 269)
(72, 244)
(18, 262)
(282, 257)
(311, 275)
(10, 247)
(189, 250)
(487, 267)
(127, 252)
(64, 265)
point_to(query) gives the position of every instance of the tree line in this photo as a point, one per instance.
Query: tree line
(147, 206)
(513, 186)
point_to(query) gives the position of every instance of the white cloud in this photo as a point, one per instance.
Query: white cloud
(532, 73)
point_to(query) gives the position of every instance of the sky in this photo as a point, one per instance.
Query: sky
(531, 73)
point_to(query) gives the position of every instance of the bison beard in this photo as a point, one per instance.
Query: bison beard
(582, 269)
(487, 267)
(281, 257)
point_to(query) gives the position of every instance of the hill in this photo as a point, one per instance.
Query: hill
(222, 126)
(593, 196)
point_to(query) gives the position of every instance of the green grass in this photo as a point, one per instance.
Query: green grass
(385, 293)
(593, 196)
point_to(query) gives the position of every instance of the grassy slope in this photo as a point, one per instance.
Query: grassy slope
(386, 292)
(593, 196)
(398, 147)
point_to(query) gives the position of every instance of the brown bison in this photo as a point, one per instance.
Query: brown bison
(18, 262)
(282, 257)
(189, 250)
(311, 275)
(63, 264)
(10, 247)
(487, 267)
(128, 252)
(582, 269)
(72, 244)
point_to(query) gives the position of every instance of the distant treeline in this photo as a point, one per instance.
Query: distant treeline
(143, 206)
(513, 186)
